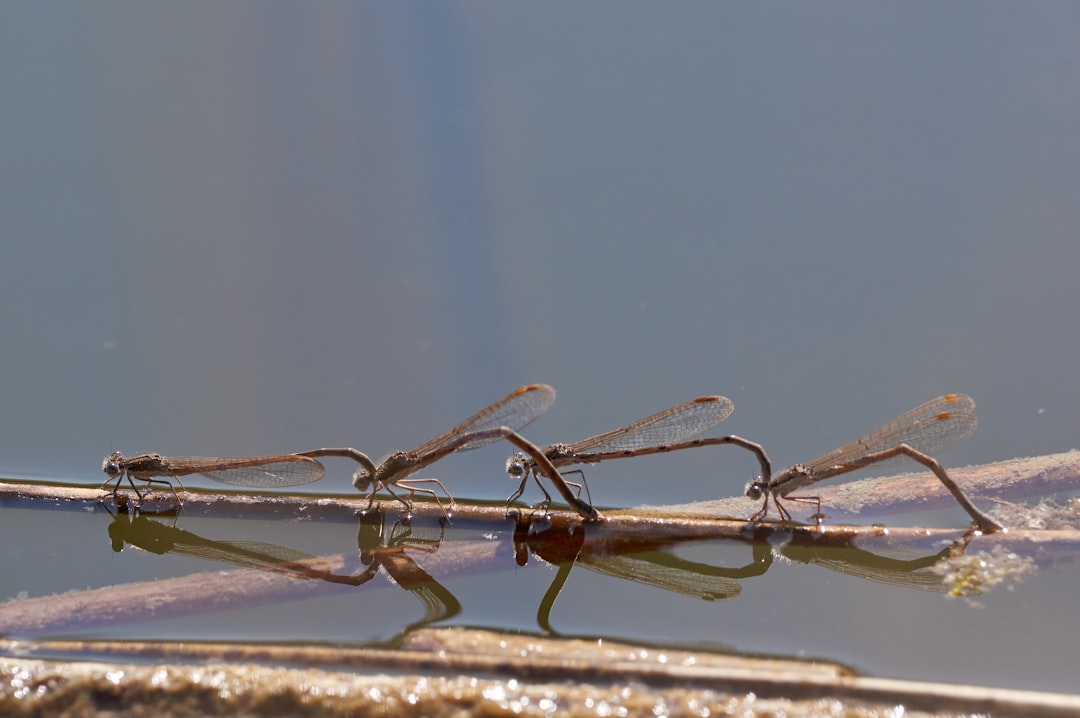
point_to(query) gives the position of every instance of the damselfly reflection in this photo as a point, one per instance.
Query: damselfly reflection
(389, 549)
(933, 425)
(668, 430)
(501, 420)
(160, 538)
(374, 539)
(904, 558)
(897, 564)
(632, 556)
(381, 549)
(251, 471)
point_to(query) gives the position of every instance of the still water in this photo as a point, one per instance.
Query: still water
(259, 228)
(329, 576)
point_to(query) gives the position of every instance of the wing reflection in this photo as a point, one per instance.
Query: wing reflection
(379, 548)
(138, 530)
(641, 561)
(916, 571)
(652, 561)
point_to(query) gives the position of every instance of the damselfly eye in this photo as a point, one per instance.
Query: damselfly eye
(755, 489)
(110, 467)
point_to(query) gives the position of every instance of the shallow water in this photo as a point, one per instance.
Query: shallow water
(247, 229)
(880, 610)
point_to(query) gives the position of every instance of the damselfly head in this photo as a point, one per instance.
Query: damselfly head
(111, 464)
(757, 488)
(516, 466)
(362, 479)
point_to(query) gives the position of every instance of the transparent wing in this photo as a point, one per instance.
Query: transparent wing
(514, 411)
(670, 426)
(931, 426)
(263, 472)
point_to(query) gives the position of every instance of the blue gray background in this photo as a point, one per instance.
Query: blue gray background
(264, 227)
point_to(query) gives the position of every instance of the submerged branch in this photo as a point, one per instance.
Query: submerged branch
(450, 672)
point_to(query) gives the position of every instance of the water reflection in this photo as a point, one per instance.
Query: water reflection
(654, 563)
(388, 549)
(418, 558)
(906, 567)
(380, 546)
(657, 567)
(137, 529)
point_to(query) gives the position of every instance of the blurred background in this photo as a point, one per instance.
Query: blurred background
(268, 227)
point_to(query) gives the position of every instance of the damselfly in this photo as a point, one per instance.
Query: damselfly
(668, 430)
(933, 425)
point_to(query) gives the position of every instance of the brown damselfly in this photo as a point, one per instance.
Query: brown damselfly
(668, 430)
(250, 471)
(500, 420)
(928, 427)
